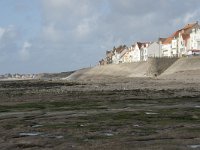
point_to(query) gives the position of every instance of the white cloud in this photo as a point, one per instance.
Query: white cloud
(8, 36)
(25, 51)
(83, 30)
(58, 3)
(86, 27)
(2, 31)
(51, 33)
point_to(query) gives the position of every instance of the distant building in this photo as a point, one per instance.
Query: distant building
(154, 50)
(139, 52)
(109, 55)
(118, 54)
(102, 62)
(127, 57)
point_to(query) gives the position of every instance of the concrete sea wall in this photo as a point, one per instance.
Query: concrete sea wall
(151, 68)
(158, 65)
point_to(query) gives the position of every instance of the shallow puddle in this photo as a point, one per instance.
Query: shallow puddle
(37, 126)
(30, 134)
(136, 125)
(40, 134)
(194, 146)
(150, 113)
(53, 136)
(108, 134)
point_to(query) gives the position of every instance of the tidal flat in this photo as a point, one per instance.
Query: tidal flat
(64, 115)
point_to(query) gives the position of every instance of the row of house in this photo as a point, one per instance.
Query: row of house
(184, 42)
(18, 76)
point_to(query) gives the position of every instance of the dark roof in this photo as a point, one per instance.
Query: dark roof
(120, 48)
(161, 39)
(140, 44)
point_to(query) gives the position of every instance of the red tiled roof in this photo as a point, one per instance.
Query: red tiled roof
(175, 34)
(189, 26)
(168, 40)
(184, 31)
(185, 36)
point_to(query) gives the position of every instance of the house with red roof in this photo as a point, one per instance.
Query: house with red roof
(166, 47)
(179, 42)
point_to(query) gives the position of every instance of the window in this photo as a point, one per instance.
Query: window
(195, 45)
(198, 45)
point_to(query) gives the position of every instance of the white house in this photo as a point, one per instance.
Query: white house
(135, 52)
(195, 39)
(179, 43)
(139, 52)
(154, 50)
(119, 52)
(193, 47)
(116, 58)
(127, 57)
(166, 47)
(144, 51)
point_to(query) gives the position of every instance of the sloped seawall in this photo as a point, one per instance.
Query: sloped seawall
(152, 67)
(158, 65)
(187, 68)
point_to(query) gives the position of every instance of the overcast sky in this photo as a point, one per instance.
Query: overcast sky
(61, 35)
